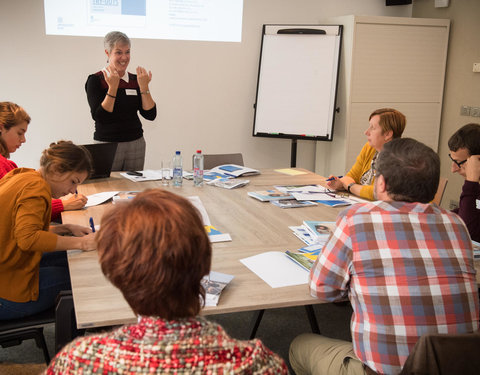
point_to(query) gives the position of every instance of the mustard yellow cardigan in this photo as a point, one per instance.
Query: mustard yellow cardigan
(364, 159)
(25, 201)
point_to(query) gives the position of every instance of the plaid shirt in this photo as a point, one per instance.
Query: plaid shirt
(407, 269)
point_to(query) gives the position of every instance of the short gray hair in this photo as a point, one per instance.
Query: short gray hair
(114, 37)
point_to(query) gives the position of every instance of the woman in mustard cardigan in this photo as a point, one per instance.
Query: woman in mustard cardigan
(32, 271)
(385, 124)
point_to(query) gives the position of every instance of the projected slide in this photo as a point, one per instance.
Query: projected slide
(208, 20)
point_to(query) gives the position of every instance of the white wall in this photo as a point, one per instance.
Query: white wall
(204, 91)
(462, 86)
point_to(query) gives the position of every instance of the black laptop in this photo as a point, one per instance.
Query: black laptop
(102, 157)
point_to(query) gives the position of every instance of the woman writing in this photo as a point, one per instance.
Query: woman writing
(385, 125)
(115, 96)
(14, 122)
(156, 251)
(32, 271)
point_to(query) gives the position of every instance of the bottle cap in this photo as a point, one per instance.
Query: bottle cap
(177, 152)
(199, 151)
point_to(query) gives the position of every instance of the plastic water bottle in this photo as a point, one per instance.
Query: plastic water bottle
(177, 165)
(198, 168)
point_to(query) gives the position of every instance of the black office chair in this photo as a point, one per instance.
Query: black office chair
(14, 332)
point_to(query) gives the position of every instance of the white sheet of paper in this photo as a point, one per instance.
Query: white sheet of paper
(301, 189)
(276, 269)
(195, 200)
(99, 198)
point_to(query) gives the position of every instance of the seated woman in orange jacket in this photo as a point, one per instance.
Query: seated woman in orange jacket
(32, 271)
(14, 121)
(385, 124)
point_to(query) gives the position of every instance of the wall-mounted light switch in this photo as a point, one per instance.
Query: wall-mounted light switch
(476, 67)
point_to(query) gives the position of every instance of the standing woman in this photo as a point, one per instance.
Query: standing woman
(385, 124)
(14, 122)
(115, 96)
(32, 271)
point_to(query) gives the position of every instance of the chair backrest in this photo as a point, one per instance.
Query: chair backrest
(441, 189)
(213, 160)
(444, 354)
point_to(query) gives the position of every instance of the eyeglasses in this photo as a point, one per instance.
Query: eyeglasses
(458, 163)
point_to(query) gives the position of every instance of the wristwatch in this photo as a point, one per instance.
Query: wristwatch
(350, 186)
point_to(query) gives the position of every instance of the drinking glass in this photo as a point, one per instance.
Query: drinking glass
(165, 173)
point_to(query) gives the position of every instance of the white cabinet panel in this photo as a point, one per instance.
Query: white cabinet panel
(398, 63)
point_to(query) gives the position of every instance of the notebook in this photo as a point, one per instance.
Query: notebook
(102, 158)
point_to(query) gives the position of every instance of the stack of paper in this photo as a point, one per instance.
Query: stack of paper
(228, 183)
(292, 203)
(234, 170)
(314, 232)
(269, 195)
(316, 193)
(213, 284)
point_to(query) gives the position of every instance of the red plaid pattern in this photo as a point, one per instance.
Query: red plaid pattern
(407, 269)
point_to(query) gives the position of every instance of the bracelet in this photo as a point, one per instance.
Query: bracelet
(145, 92)
(349, 187)
(114, 97)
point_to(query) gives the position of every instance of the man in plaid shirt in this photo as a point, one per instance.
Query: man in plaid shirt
(405, 264)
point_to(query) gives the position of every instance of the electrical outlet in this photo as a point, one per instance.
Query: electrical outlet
(476, 67)
(453, 204)
(465, 110)
(475, 111)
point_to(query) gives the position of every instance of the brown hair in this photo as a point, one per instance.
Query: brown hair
(468, 137)
(391, 119)
(11, 115)
(64, 157)
(411, 170)
(155, 250)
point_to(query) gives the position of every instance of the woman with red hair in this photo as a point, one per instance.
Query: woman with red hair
(156, 251)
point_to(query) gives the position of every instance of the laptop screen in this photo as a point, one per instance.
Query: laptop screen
(102, 158)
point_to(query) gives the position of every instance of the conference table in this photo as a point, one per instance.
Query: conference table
(254, 226)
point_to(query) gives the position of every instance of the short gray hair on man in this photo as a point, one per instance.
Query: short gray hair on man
(114, 37)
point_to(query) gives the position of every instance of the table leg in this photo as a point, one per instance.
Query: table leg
(257, 318)
(312, 319)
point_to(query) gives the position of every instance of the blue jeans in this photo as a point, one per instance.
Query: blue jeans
(54, 277)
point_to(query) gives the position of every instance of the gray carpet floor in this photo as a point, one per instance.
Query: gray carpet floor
(277, 330)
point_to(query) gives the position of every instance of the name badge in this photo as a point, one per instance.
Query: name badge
(131, 92)
(478, 204)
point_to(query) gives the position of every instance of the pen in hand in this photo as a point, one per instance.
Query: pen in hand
(92, 225)
(333, 178)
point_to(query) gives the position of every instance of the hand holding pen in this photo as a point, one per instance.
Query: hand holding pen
(333, 182)
(92, 224)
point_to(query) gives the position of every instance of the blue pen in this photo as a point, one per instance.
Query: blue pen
(333, 178)
(92, 225)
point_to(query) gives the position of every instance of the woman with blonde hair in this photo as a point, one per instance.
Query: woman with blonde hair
(385, 124)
